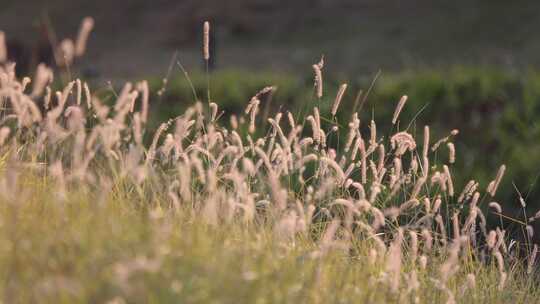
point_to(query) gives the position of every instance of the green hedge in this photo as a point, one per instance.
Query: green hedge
(496, 111)
(230, 89)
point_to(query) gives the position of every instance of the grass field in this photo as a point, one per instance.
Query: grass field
(86, 250)
(220, 208)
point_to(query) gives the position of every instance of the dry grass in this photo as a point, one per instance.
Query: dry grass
(215, 212)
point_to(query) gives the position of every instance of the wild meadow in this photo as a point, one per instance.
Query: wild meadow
(249, 207)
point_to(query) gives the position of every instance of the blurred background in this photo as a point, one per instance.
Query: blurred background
(137, 37)
(471, 65)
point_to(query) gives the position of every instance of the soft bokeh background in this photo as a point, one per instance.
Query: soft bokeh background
(471, 65)
(137, 37)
